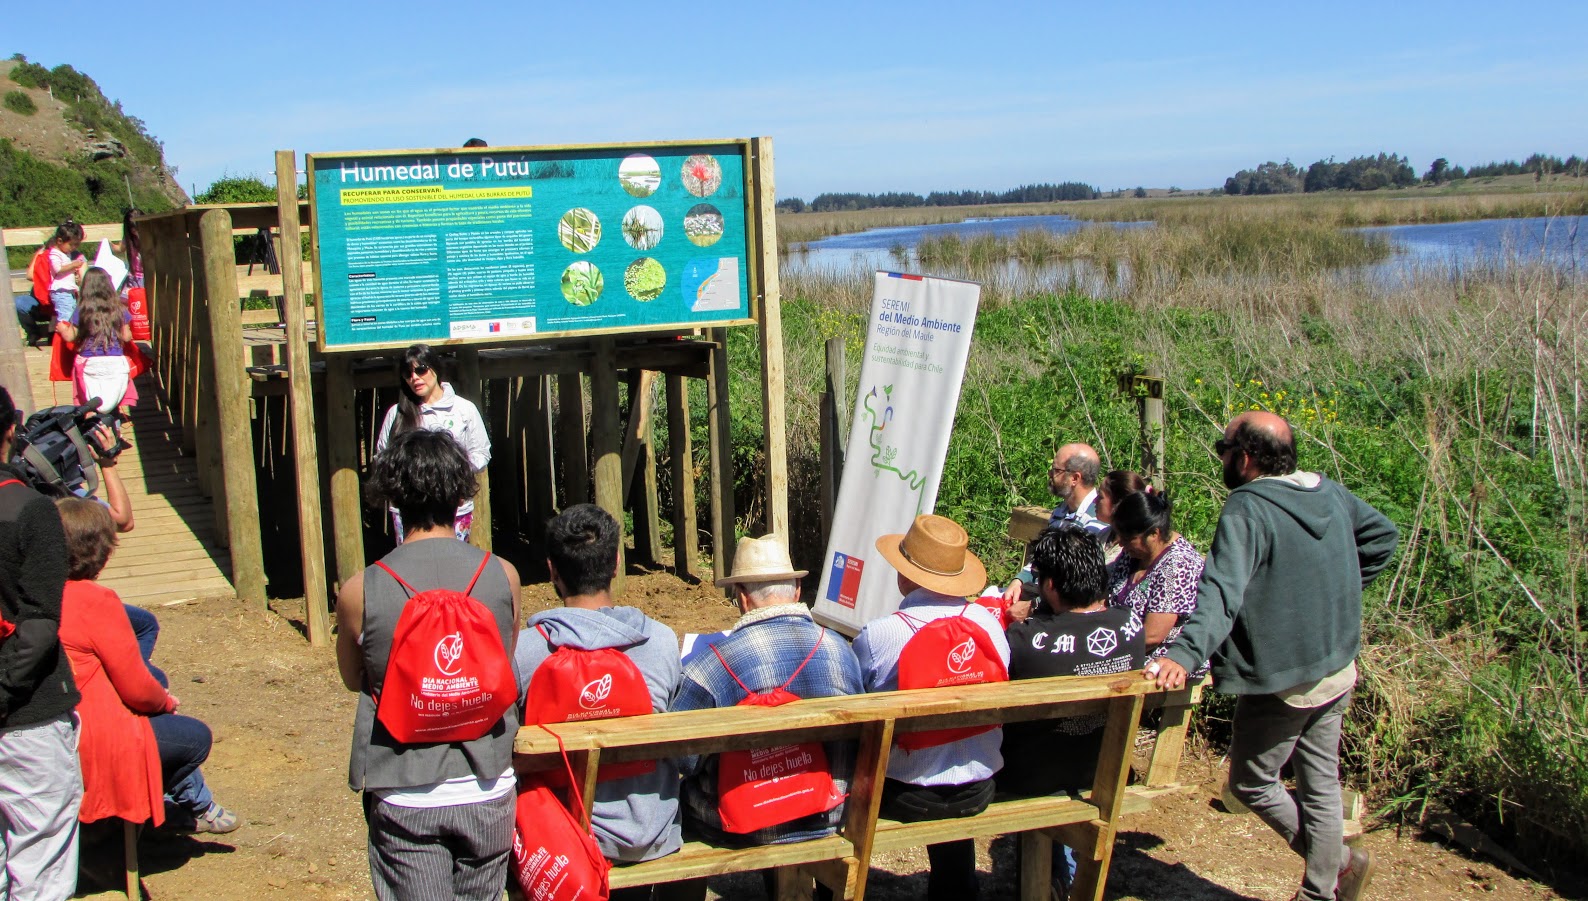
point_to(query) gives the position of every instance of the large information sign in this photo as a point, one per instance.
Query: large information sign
(495, 244)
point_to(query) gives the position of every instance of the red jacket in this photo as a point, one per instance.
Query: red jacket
(121, 763)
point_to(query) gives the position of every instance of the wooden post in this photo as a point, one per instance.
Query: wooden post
(301, 391)
(834, 435)
(604, 439)
(680, 450)
(541, 496)
(769, 316)
(505, 420)
(1152, 432)
(639, 484)
(206, 427)
(1108, 793)
(719, 436)
(13, 360)
(347, 508)
(469, 377)
(572, 439)
(239, 494)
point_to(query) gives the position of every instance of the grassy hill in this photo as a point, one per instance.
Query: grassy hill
(67, 150)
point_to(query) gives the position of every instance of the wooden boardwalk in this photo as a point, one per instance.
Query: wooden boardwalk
(171, 554)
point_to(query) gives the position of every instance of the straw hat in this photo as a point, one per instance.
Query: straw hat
(763, 559)
(933, 555)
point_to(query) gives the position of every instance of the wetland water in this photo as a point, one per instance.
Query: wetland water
(1560, 242)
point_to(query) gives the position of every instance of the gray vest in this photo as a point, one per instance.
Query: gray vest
(380, 761)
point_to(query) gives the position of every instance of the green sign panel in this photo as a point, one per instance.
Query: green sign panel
(498, 244)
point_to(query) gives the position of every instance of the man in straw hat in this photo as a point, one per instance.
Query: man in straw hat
(936, 572)
(775, 639)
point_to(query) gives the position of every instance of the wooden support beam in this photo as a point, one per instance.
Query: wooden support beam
(572, 439)
(539, 462)
(604, 440)
(13, 359)
(636, 433)
(680, 452)
(834, 434)
(206, 436)
(239, 496)
(347, 508)
(639, 465)
(304, 444)
(769, 316)
(865, 796)
(719, 436)
(1036, 866)
(1108, 793)
(474, 390)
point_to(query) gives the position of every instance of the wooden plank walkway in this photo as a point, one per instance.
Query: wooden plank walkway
(171, 553)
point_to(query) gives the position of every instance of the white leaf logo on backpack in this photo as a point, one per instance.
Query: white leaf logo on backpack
(449, 652)
(961, 655)
(596, 692)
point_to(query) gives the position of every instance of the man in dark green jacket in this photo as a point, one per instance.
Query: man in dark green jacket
(1279, 611)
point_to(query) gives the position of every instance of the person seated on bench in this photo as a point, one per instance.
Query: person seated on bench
(955, 778)
(133, 746)
(774, 649)
(1073, 480)
(1073, 633)
(635, 814)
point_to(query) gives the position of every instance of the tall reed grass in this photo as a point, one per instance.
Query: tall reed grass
(1455, 402)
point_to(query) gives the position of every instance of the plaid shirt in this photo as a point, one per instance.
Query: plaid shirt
(764, 648)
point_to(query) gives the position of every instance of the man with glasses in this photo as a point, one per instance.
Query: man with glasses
(1073, 480)
(1279, 611)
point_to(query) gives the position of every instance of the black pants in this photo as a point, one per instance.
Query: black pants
(953, 874)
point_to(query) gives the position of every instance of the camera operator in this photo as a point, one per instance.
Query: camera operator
(41, 784)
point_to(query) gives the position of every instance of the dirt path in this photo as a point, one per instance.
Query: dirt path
(282, 724)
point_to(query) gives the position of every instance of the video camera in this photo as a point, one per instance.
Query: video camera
(56, 449)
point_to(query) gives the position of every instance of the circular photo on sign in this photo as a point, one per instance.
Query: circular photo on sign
(579, 230)
(645, 278)
(703, 225)
(582, 283)
(640, 174)
(702, 175)
(642, 228)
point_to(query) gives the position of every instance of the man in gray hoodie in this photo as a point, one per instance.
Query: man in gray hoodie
(635, 817)
(1279, 611)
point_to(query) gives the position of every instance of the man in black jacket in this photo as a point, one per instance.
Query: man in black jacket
(41, 785)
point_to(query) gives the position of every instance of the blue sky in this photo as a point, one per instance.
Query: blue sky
(859, 96)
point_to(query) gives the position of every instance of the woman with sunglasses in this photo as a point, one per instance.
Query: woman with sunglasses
(430, 404)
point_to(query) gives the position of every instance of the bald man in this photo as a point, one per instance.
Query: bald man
(1279, 611)
(1073, 480)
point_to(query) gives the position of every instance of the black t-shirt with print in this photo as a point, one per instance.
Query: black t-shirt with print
(1053, 755)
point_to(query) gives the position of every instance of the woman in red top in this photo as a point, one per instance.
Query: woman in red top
(133, 748)
(120, 759)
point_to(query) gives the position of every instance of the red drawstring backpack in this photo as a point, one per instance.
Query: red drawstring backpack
(949, 650)
(138, 306)
(576, 684)
(555, 858)
(765, 787)
(993, 602)
(447, 678)
(39, 272)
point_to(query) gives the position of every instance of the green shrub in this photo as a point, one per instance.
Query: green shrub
(20, 102)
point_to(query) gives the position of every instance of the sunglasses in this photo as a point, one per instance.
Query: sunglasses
(416, 369)
(1223, 446)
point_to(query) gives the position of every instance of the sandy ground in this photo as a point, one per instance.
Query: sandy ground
(282, 723)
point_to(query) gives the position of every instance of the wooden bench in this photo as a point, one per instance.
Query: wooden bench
(842, 862)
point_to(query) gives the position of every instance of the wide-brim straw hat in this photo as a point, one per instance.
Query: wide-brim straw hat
(763, 559)
(934, 555)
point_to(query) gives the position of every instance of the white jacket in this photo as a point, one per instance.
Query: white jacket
(452, 414)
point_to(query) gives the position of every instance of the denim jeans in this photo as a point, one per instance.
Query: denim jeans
(184, 744)
(1268, 733)
(952, 875)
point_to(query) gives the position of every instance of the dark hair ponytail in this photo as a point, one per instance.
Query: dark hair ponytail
(1141, 513)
